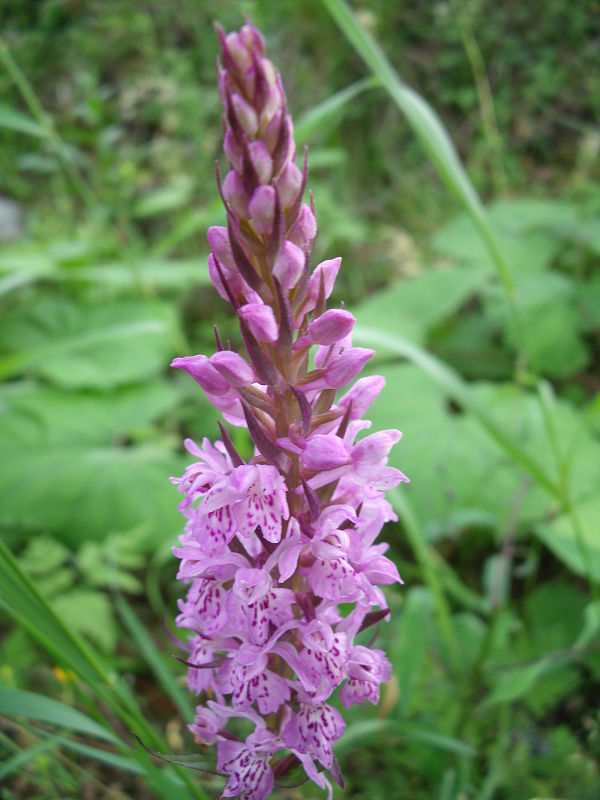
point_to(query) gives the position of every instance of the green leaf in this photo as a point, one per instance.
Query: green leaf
(104, 756)
(414, 306)
(17, 703)
(526, 245)
(188, 760)
(329, 112)
(23, 602)
(43, 555)
(551, 330)
(452, 385)
(427, 127)
(90, 614)
(107, 563)
(410, 645)
(24, 757)
(516, 683)
(14, 120)
(162, 200)
(155, 660)
(411, 730)
(579, 553)
(173, 274)
(89, 345)
(74, 470)
(33, 415)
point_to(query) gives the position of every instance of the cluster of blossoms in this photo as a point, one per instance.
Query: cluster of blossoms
(272, 547)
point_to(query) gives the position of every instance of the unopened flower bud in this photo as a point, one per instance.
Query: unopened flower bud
(261, 321)
(262, 209)
(235, 194)
(233, 368)
(289, 184)
(289, 264)
(204, 373)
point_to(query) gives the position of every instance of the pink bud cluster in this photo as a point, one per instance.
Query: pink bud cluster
(272, 547)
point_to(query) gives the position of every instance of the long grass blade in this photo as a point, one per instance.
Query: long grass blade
(22, 601)
(428, 128)
(26, 756)
(330, 110)
(155, 660)
(17, 703)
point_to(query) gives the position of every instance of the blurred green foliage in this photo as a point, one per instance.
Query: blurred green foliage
(110, 126)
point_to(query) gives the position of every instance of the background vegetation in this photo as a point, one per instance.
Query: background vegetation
(488, 331)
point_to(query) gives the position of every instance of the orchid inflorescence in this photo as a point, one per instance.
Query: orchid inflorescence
(273, 546)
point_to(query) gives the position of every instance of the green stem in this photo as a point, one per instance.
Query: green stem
(484, 93)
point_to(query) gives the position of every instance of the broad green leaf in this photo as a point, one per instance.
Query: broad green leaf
(459, 391)
(152, 272)
(415, 305)
(527, 244)
(473, 474)
(22, 264)
(89, 613)
(551, 330)
(554, 613)
(74, 469)
(85, 493)
(85, 345)
(17, 703)
(31, 414)
(579, 548)
(410, 645)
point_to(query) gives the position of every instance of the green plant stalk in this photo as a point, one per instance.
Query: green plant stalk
(484, 93)
(424, 558)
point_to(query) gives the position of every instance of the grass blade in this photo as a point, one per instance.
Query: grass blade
(14, 120)
(21, 599)
(24, 757)
(17, 703)
(330, 110)
(428, 128)
(155, 660)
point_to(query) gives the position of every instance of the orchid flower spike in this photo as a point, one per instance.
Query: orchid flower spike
(273, 547)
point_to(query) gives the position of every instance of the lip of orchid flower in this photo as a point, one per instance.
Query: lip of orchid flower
(276, 542)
